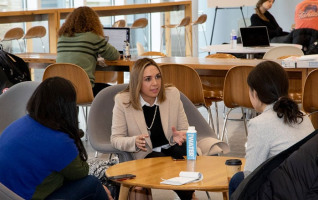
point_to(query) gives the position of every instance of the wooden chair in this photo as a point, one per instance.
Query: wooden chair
(213, 90)
(310, 97)
(119, 23)
(35, 32)
(13, 34)
(281, 52)
(153, 53)
(187, 80)
(201, 20)
(80, 80)
(276, 52)
(184, 23)
(236, 92)
(141, 23)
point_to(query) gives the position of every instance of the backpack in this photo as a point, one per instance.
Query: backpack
(313, 48)
(13, 70)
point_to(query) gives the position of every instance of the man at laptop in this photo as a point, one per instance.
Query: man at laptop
(81, 40)
(264, 18)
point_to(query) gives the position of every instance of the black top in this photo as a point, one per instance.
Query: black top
(157, 135)
(273, 28)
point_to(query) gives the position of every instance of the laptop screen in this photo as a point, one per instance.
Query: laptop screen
(117, 37)
(254, 36)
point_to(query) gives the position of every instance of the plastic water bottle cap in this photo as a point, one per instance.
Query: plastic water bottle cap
(191, 128)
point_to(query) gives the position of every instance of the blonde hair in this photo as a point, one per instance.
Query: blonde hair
(81, 20)
(258, 11)
(136, 79)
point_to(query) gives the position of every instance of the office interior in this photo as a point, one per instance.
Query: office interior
(283, 10)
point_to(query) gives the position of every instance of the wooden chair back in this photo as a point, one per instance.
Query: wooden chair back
(119, 23)
(310, 93)
(186, 79)
(13, 34)
(35, 32)
(280, 51)
(153, 53)
(201, 19)
(140, 23)
(79, 78)
(185, 22)
(235, 89)
(220, 55)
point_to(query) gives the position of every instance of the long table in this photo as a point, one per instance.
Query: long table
(53, 16)
(215, 67)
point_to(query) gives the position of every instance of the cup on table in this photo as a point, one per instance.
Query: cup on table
(232, 167)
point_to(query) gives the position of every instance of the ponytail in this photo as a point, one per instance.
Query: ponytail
(288, 109)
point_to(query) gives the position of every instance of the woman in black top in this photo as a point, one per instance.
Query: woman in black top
(264, 18)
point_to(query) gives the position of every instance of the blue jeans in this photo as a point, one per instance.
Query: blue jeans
(88, 188)
(235, 182)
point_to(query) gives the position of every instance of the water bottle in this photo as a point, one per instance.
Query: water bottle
(127, 50)
(233, 40)
(191, 143)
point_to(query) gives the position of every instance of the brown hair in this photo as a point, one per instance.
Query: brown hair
(258, 11)
(136, 79)
(270, 81)
(81, 20)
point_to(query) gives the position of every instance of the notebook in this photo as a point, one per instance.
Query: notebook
(117, 37)
(255, 36)
(184, 178)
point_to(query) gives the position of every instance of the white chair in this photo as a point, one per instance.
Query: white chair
(280, 51)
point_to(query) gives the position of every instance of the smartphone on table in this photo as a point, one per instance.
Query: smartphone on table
(122, 177)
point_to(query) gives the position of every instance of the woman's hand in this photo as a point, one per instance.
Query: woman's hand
(178, 136)
(108, 193)
(141, 142)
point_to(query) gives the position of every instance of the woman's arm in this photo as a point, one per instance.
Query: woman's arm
(107, 51)
(257, 147)
(119, 137)
(77, 169)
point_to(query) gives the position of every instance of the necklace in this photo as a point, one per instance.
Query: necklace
(153, 120)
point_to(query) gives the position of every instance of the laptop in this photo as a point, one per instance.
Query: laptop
(255, 36)
(117, 37)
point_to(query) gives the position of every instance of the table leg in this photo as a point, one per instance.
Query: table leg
(225, 197)
(123, 194)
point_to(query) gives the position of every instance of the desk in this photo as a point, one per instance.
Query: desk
(214, 67)
(42, 60)
(149, 173)
(53, 16)
(249, 51)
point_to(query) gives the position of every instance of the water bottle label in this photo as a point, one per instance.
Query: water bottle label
(191, 146)
(234, 37)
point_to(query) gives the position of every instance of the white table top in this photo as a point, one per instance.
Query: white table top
(226, 48)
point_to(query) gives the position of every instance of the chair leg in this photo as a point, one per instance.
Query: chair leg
(96, 154)
(208, 195)
(210, 118)
(224, 125)
(19, 46)
(206, 42)
(179, 41)
(217, 120)
(244, 119)
(42, 45)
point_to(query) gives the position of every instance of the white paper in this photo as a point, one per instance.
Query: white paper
(184, 177)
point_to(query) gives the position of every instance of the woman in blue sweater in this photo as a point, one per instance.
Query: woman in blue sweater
(42, 155)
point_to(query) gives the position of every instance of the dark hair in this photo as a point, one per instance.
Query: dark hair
(53, 104)
(270, 81)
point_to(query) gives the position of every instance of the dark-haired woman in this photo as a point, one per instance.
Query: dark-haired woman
(263, 17)
(41, 154)
(280, 124)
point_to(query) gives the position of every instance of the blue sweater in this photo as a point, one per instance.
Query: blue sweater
(31, 152)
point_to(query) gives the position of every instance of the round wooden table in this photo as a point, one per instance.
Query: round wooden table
(150, 172)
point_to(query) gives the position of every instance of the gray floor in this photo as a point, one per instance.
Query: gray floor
(237, 139)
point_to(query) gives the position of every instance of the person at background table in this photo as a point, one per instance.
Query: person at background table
(280, 125)
(81, 40)
(263, 17)
(148, 117)
(42, 155)
(306, 14)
